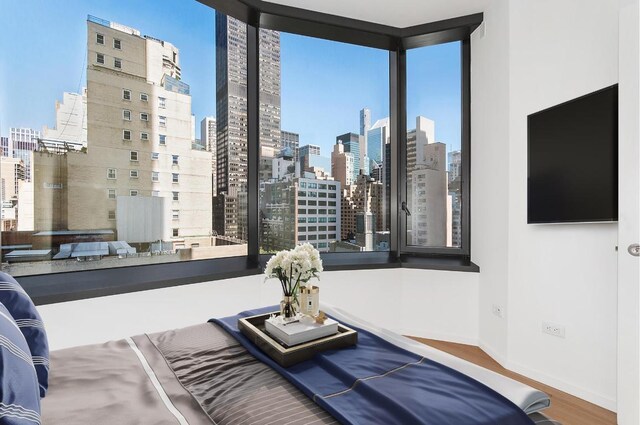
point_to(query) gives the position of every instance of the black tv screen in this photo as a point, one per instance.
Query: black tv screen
(573, 160)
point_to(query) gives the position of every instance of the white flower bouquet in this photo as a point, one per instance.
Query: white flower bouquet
(294, 268)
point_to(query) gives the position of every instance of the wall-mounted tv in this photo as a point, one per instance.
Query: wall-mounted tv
(573, 160)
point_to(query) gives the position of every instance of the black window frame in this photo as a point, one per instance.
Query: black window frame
(74, 285)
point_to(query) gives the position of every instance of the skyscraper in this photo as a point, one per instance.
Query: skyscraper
(22, 143)
(208, 139)
(231, 114)
(376, 138)
(455, 193)
(351, 143)
(311, 160)
(139, 174)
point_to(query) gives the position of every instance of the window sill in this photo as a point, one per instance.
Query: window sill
(447, 263)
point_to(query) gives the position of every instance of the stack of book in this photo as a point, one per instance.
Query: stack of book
(296, 332)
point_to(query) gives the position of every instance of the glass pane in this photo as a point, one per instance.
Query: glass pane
(434, 155)
(324, 167)
(111, 155)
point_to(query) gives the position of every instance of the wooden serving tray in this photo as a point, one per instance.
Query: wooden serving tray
(253, 328)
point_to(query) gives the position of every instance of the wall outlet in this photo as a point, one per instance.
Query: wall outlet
(497, 311)
(553, 329)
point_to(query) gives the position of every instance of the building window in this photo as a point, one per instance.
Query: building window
(133, 174)
(144, 116)
(111, 193)
(175, 177)
(100, 58)
(117, 44)
(144, 136)
(175, 214)
(117, 63)
(155, 176)
(99, 38)
(162, 102)
(133, 156)
(174, 159)
(126, 94)
(111, 214)
(126, 134)
(155, 156)
(126, 115)
(133, 193)
(175, 232)
(155, 193)
(162, 139)
(162, 121)
(176, 196)
(144, 97)
(111, 173)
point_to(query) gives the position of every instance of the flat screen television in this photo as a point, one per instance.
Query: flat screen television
(573, 160)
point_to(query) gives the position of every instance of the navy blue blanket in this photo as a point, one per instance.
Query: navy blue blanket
(376, 382)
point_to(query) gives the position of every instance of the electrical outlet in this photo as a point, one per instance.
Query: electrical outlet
(498, 311)
(553, 329)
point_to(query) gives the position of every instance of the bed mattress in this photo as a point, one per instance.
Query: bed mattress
(202, 375)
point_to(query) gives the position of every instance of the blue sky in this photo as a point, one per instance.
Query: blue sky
(324, 84)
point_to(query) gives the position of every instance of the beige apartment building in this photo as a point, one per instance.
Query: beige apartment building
(342, 164)
(139, 145)
(364, 195)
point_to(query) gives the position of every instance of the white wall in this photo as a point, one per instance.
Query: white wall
(564, 274)
(424, 303)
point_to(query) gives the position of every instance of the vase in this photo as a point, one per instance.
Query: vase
(289, 306)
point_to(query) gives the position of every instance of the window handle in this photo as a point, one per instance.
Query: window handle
(405, 209)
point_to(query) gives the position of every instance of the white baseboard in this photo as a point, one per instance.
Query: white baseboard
(590, 396)
(502, 360)
(440, 336)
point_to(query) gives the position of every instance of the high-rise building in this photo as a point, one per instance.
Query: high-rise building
(455, 193)
(291, 141)
(365, 126)
(376, 138)
(231, 115)
(314, 204)
(12, 175)
(208, 139)
(342, 165)
(426, 186)
(139, 175)
(22, 143)
(312, 161)
(70, 131)
(363, 196)
(4, 146)
(351, 143)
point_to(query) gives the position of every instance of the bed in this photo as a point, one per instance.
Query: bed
(204, 375)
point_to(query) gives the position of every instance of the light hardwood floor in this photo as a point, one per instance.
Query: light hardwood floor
(567, 409)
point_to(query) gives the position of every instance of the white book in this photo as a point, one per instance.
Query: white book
(297, 333)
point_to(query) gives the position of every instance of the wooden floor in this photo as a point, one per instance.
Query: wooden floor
(565, 408)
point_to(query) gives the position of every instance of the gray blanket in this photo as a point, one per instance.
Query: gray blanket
(196, 375)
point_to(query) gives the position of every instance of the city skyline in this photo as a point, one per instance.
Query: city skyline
(357, 77)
